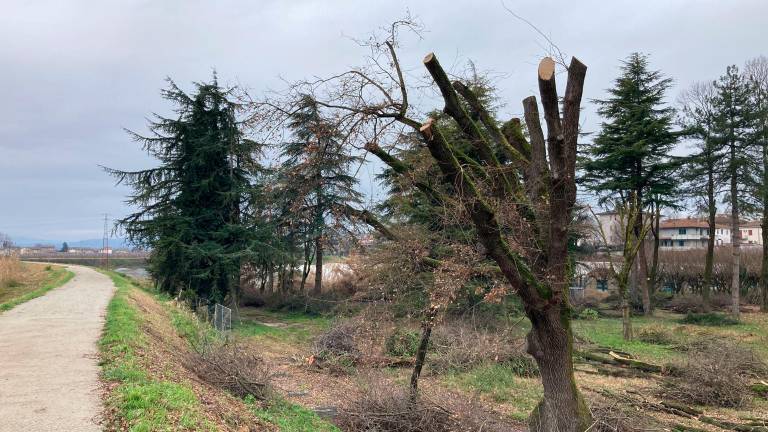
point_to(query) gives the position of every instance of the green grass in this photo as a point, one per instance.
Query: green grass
(607, 332)
(290, 417)
(501, 384)
(57, 277)
(709, 319)
(142, 403)
(293, 327)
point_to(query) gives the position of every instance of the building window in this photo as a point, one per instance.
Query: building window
(602, 285)
(681, 231)
(750, 232)
(681, 243)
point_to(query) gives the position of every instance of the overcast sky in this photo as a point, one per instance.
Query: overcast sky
(75, 73)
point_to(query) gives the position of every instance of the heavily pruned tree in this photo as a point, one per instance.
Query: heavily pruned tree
(630, 156)
(520, 207)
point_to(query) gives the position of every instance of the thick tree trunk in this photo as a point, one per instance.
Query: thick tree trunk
(318, 289)
(735, 239)
(550, 343)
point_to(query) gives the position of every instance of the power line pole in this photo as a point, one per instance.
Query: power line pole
(105, 242)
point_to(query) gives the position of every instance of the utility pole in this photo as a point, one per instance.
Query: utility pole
(105, 242)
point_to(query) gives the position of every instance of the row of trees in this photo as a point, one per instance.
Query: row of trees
(728, 118)
(629, 166)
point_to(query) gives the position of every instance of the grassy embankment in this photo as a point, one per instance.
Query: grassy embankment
(21, 282)
(138, 401)
(147, 397)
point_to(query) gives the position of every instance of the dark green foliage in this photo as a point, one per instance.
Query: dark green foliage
(402, 343)
(190, 207)
(732, 126)
(631, 152)
(708, 319)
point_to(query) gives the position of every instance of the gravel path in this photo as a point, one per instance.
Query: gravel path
(49, 373)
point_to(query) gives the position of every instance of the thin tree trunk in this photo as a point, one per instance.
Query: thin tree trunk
(626, 311)
(735, 238)
(421, 352)
(654, 275)
(318, 289)
(764, 227)
(712, 226)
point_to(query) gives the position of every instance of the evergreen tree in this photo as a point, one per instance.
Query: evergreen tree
(317, 182)
(733, 124)
(756, 72)
(64, 247)
(630, 155)
(704, 166)
(190, 206)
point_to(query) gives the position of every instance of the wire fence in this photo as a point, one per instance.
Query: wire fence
(222, 318)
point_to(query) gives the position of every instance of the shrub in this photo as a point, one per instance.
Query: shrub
(657, 335)
(458, 347)
(337, 345)
(402, 343)
(686, 303)
(232, 367)
(760, 390)
(708, 319)
(588, 314)
(384, 407)
(717, 372)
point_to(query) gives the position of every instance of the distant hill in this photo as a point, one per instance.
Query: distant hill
(115, 243)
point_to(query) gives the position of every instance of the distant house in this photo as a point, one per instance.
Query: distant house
(687, 233)
(751, 233)
(592, 280)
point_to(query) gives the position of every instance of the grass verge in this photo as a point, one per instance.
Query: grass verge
(289, 417)
(139, 402)
(57, 276)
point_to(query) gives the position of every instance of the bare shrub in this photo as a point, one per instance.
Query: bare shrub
(656, 334)
(384, 407)
(459, 347)
(337, 342)
(716, 372)
(686, 303)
